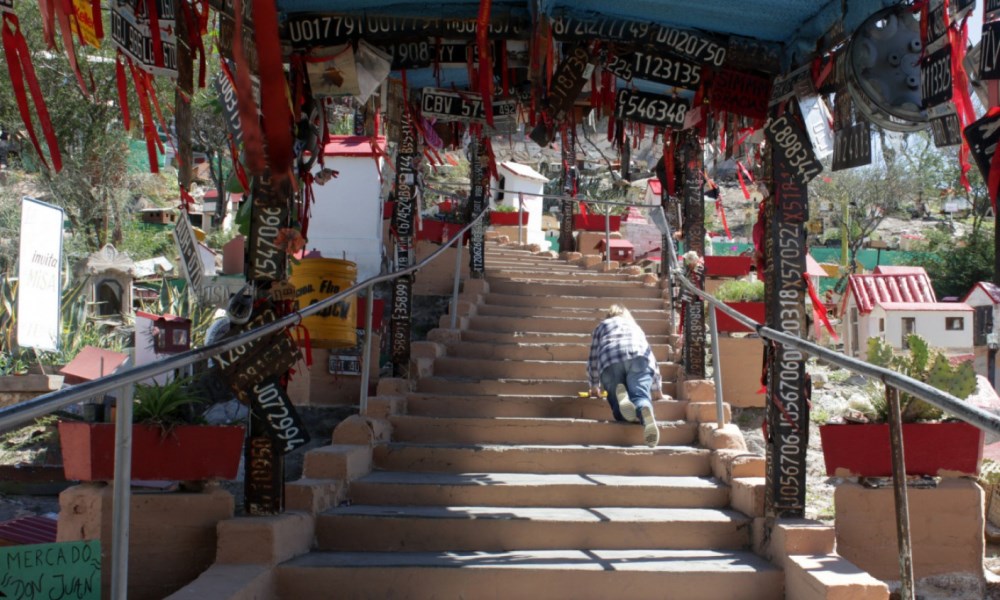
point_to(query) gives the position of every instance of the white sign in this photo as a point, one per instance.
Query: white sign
(187, 245)
(39, 289)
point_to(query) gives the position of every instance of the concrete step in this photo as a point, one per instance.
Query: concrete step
(505, 263)
(513, 387)
(541, 407)
(407, 428)
(492, 528)
(573, 300)
(537, 574)
(543, 272)
(557, 325)
(595, 314)
(582, 339)
(446, 366)
(532, 489)
(519, 351)
(609, 290)
(663, 460)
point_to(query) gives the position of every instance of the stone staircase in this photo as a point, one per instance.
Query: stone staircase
(489, 476)
(499, 481)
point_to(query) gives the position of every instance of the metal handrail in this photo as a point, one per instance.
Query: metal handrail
(25, 412)
(943, 400)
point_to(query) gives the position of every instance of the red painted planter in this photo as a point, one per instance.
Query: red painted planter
(727, 266)
(438, 232)
(595, 222)
(387, 208)
(727, 324)
(952, 448)
(184, 453)
(507, 218)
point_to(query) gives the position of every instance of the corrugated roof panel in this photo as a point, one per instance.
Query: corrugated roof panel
(868, 290)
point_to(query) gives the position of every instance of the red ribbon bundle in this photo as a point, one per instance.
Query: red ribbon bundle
(21, 70)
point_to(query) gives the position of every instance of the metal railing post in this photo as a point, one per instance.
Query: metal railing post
(906, 590)
(720, 415)
(520, 218)
(366, 358)
(607, 239)
(454, 285)
(122, 495)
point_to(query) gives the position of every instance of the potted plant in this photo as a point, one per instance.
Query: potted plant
(170, 441)
(507, 215)
(746, 297)
(932, 445)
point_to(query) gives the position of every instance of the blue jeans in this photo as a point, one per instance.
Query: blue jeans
(637, 375)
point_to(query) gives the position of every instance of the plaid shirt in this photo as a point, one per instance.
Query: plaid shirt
(616, 340)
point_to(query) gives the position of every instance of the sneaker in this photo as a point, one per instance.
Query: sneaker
(625, 405)
(650, 429)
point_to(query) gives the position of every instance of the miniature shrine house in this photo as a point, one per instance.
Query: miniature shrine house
(346, 221)
(894, 304)
(518, 182)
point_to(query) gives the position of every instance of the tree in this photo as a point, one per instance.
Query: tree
(94, 185)
(954, 266)
(210, 135)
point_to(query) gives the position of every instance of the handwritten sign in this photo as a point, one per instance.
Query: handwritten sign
(740, 93)
(187, 245)
(652, 109)
(268, 215)
(271, 403)
(787, 410)
(796, 148)
(935, 77)
(39, 293)
(61, 570)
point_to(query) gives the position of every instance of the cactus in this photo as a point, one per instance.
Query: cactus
(929, 366)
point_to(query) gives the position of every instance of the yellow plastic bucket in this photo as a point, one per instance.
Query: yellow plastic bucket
(317, 278)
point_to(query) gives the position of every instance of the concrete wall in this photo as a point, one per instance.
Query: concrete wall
(172, 535)
(532, 205)
(946, 528)
(741, 363)
(347, 215)
(929, 324)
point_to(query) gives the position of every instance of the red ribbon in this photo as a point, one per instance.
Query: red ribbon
(148, 127)
(273, 96)
(722, 216)
(302, 339)
(959, 38)
(154, 30)
(668, 163)
(253, 138)
(187, 200)
(122, 82)
(63, 10)
(21, 70)
(485, 64)
(819, 310)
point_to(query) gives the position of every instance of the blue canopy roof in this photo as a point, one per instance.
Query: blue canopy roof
(797, 24)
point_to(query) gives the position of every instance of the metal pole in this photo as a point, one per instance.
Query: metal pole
(520, 217)
(366, 359)
(122, 497)
(454, 286)
(720, 416)
(607, 240)
(906, 591)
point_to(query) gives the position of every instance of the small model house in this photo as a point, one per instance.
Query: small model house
(109, 275)
(520, 182)
(346, 221)
(984, 298)
(897, 301)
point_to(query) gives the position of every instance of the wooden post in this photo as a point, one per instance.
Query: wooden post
(404, 222)
(694, 241)
(787, 405)
(566, 243)
(480, 180)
